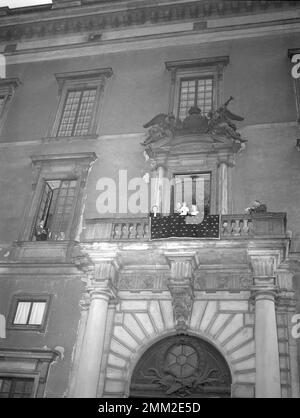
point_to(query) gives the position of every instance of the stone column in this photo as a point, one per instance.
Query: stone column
(101, 288)
(92, 346)
(225, 165)
(108, 332)
(157, 194)
(264, 264)
(84, 310)
(223, 187)
(266, 342)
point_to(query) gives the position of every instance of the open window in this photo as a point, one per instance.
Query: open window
(55, 206)
(194, 189)
(8, 87)
(55, 211)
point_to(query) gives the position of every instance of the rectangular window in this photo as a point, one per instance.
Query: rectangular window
(55, 210)
(16, 387)
(195, 92)
(30, 313)
(77, 113)
(194, 189)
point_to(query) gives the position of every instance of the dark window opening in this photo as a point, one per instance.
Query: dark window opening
(55, 210)
(194, 189)
(16, 387)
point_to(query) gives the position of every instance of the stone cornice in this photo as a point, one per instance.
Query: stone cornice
(87, 16)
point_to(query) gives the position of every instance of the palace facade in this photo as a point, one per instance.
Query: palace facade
(112, 114)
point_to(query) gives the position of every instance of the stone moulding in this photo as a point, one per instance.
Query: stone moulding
(41, 22)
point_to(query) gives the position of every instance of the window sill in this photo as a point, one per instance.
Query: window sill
(40, 328)
(68, 139)
(43, 251)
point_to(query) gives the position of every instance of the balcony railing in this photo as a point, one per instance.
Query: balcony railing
(260, 225)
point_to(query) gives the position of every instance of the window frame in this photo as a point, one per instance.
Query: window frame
(196, 98)
(79, 80)
(32, 363)
(193, 174)
(8, 87)
(50, 168)
(26, 297)
(34, 376)
(196, 68)
(44, 181)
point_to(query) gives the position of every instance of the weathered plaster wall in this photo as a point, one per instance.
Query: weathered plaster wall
(61, 325)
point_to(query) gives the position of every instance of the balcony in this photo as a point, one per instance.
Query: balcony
(244, 226)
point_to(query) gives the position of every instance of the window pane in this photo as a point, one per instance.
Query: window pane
(15, 387)
(197, 92)
(77, 113)
(37, 313)
(22, 313)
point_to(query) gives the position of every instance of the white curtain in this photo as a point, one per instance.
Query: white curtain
(37, 313)
(22, 313)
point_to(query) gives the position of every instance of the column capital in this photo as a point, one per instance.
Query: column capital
(227, 160)
(106, 293)
(264, 262)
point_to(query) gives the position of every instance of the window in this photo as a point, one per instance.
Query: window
(55, 210)
(78, 111)
(29, 312)
(24, 372)
(195, 92)
(194, 189)
(7, 91)
(195, 82)
(53, 213)
(16, 387)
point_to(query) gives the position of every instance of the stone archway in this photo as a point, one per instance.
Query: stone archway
(181, 366)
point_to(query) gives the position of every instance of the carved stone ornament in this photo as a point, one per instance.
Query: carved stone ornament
(217, 127)
(20, 25)
(182, 367)
(182, 301)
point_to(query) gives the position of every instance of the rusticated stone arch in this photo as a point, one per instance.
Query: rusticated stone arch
(228, 327)
(181, 366)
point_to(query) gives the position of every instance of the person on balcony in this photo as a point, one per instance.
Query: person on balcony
(184, 209)
(41, 233)
(258, 207)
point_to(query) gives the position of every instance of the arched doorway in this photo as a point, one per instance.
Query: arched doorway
(182, 367)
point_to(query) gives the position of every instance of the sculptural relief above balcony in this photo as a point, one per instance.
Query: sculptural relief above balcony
(197, 133)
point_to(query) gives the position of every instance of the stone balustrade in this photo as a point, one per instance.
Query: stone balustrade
(260, 225)
(255, 225)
